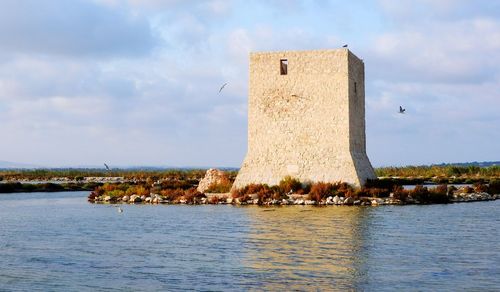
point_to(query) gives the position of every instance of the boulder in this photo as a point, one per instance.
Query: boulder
(336, 200)
(125, 198)
(349, 201)
(107, 198)
(212, 176)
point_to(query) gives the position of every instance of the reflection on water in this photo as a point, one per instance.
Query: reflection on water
(306, 247)
(59, 242)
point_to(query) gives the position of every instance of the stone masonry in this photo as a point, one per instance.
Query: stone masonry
(306, 118)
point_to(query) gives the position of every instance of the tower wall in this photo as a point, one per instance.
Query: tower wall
(309, 123)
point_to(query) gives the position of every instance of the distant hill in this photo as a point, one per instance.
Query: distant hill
(15, 165)
(475, 163)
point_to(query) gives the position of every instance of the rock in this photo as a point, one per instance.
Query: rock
(310, 202)
(376, 202)
(229, 200)
(125, 198)
(255, 201)
(107, 198)
(135, 199)
(299, 202)
(156, 200)
(147, 200)
(336, 200)
(349, 201)
(143, 197)
(212, 176)
(357, 202)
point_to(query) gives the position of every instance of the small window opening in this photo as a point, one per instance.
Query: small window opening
(355, 87)
(284, 66)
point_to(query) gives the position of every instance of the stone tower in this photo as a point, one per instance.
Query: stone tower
(306, 118)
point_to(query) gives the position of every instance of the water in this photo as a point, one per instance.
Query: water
(59, 242)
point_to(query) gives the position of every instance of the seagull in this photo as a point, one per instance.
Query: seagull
(222, 87)
(344, 46)
(107, 167)
(401, 110)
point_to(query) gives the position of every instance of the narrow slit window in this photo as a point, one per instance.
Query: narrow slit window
(355, 87)
(284, 66)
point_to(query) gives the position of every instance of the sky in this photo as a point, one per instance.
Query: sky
(135, 82)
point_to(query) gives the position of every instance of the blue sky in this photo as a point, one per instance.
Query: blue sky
(135, 82)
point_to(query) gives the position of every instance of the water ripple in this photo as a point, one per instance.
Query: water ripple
(66, 244)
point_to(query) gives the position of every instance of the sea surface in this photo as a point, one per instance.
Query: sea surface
(59, 242)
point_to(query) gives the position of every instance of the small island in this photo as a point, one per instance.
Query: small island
(216, 188)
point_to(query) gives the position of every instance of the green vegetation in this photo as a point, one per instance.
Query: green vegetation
(440, 174)
(45, 187)
(132, 174)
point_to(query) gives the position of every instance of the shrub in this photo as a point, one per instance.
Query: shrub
(494, 187)
(193, 196)
(289, 184)
(248, 190)
(420, 193)
(221, 187)
(439, 195)
(343, 189)
(480, 187)
(376, 192)
(214, 200)
(320, 190)
(172, 194)
(116, 193)
(399, 193)
(467, 190)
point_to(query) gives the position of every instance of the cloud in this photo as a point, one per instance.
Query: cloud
(72, 28)
(136, 81)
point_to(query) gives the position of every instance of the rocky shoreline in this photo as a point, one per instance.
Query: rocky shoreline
(293, 199)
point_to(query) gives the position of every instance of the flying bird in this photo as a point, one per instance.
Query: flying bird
(401, 110)
(107, 167)
(344, 46)
(222, 87)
